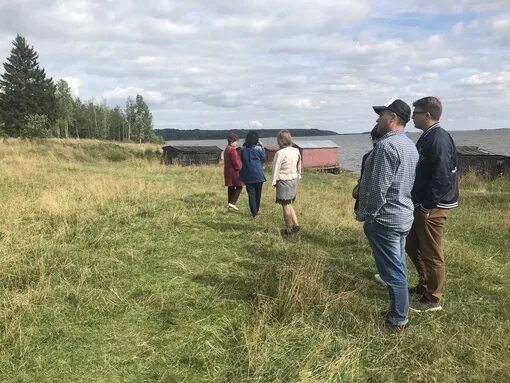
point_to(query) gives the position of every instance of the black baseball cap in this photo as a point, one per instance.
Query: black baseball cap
(397, 106)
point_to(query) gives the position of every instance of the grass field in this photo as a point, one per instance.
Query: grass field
(115, 268)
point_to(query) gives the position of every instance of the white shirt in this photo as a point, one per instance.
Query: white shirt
(286, 164)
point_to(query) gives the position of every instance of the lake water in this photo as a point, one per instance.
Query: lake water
(353, 146)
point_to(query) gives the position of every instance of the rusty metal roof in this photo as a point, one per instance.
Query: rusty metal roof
(310, 144)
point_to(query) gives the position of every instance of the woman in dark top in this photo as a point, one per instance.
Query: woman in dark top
(374, 135)
(252, 172)
(231, 168)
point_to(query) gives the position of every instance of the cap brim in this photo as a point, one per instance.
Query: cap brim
(379, 109)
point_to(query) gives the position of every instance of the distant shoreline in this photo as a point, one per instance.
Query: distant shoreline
(199, 134)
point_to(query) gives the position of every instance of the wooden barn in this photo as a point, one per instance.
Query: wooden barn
(191, 155)
(270, 152)
(320, 155)
(473, 158)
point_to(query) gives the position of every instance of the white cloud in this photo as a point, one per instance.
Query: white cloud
(123, 93)
(501, 25)
(254, 124)
(499, 79)
(75, 84)
(444, 62)
(457, 29)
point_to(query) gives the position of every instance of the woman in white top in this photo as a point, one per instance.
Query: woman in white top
(286, 172)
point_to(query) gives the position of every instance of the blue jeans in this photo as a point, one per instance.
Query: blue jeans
(254, 196)
(388, 248)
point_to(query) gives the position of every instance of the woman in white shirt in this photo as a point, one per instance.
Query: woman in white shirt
(286, 172)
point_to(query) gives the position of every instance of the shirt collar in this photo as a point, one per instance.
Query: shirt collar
(430, 128)
(392, 133)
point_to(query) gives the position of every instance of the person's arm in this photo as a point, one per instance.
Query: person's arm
(299, 165)
(384, 166)
(236, 160)
(276, 166)
(441, 153)
(260, 152)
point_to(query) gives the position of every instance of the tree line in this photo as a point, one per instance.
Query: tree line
(198, 134)
(33, 105)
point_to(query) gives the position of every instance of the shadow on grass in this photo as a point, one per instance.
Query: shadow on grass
(228, 226)
(237, 287)
(200, 200)
(348, 265)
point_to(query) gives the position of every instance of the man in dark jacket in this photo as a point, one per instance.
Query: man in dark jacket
(434, 193)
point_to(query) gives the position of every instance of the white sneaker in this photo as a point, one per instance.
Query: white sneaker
(233, 207)
(378, 279)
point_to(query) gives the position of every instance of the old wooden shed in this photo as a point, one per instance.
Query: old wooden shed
(191, 155)
(270, 152)
(320, 155)
(473, 158)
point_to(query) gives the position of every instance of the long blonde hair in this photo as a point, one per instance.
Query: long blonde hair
(284, 139)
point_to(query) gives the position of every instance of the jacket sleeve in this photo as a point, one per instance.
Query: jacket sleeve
(385, 165)
(236, 160)
(299, 164)
(276, 166)
(262, 153)
(440, 167)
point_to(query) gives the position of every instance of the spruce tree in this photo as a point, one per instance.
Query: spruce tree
(24, 89)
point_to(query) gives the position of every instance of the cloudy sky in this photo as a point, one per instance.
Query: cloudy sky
(222, 64)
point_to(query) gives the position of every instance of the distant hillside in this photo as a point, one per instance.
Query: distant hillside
(197, 134)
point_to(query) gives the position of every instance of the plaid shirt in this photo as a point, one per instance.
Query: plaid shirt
(387, 181)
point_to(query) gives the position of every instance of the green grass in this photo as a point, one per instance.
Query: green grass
(115, 268)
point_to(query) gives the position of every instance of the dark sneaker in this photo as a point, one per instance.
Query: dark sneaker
(418, 290)
(396, 328)
(296, 229)
(424, 305)
(285, 232)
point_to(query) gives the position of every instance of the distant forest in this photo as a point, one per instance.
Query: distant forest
(197, 134)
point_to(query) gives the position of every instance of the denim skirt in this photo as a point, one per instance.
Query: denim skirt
(286, 191)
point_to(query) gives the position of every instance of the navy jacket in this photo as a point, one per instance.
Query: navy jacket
(252, 171)
(436, 183)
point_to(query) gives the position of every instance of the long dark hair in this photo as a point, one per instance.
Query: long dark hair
(252, 138)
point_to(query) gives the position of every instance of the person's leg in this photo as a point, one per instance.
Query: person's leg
(230, 190)
(431, 248)
(293, 216)
(413, 250)
(250, 189)
(235, 194)
(258, 195)
(387, 246)
(287, 215)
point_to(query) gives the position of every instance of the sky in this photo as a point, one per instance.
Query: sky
(223, 64)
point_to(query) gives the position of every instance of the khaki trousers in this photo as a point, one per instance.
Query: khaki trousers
(424, 245)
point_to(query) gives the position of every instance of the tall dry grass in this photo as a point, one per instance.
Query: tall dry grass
(139, 270)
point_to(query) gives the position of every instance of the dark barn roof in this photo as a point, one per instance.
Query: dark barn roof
(474, 151)
(474, 158)
(194, 149)
(191, 155)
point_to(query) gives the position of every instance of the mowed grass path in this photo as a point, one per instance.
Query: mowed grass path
(114, 268)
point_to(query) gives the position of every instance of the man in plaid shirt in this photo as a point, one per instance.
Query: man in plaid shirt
(385, 204)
